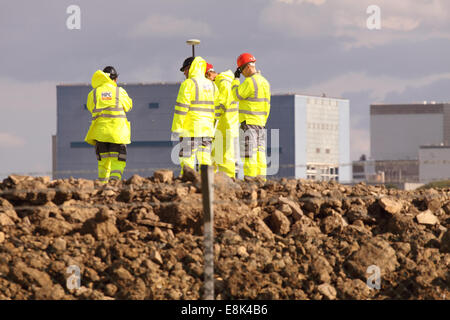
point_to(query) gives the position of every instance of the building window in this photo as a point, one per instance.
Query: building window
(85, 106)
(327, 150)
(153, 105)
(317, 150)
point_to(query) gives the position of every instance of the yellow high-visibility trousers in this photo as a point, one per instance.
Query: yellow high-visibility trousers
(224, 152)
(111, 160)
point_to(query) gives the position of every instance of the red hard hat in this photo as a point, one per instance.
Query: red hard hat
(244, 59)
(209, 67)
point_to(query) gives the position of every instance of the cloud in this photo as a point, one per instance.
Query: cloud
(27, 95)
(27, 121)
(378, 86)
(359, 143)
(8, 140)
(315, 2)
(169, 26)
(346, 19)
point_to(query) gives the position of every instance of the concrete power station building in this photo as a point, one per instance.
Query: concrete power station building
(410, 142)
(308, 137)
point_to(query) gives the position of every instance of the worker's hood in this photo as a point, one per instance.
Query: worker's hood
(226, 75)
(197, 68)
(100, 78)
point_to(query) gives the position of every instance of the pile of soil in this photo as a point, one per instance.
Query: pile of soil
(285, 239)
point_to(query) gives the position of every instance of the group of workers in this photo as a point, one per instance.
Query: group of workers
(214, 114)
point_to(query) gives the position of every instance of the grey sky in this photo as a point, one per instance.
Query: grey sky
(303, 46)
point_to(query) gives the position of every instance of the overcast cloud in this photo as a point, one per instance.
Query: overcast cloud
(302, 46)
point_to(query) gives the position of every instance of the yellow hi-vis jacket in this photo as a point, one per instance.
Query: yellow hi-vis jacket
(254, 99)
(227, 111)
(194, 109)
(108, 103)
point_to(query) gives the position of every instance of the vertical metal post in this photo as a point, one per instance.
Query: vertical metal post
(207, 174)
(193, 43)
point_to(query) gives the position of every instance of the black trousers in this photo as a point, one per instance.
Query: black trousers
(111, 150)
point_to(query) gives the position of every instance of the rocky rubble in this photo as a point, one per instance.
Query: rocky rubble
(287, 239)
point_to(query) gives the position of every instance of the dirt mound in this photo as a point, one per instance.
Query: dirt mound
(287, 239)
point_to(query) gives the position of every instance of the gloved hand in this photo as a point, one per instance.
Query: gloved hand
(237, 73)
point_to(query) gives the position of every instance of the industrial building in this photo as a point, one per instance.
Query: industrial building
(434, 163)
(399, 131)
(308, 137)
(314, 136)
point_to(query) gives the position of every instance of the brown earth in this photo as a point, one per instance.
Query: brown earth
(286, 239)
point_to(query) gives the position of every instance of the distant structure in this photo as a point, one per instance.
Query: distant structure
(398, 133)
(434, 163)
(314, 134)
(364, 171)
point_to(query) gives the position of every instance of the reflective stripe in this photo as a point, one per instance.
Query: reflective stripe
(255, 85)
(114, 178)
(220, 106)
(257, 99)
(234, 102)
(218, 114)
(95, 97)
(256, 113)
(117, 97)
(111, 108)
(232, 110)
(201, 109)
(108, 155)
(196, 89)
(103, 179)
(183, 105)
(202, 102)
(181, 112)
(109, 116)
(237, 93)
(116, 171)
(116, 107)
(235, 86)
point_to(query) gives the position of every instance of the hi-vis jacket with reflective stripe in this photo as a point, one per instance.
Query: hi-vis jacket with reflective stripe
(108, 103)
(194, 110)
(254, 99)
(227, 110)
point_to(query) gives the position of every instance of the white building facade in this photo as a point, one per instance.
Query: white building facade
(434, 163)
